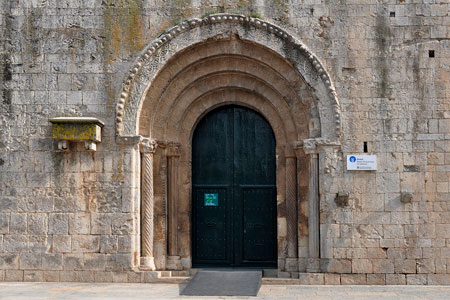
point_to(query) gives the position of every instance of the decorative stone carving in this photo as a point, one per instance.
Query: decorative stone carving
(148, 148)
(149, 61)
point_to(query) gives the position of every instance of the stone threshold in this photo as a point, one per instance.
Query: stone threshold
(182, 277)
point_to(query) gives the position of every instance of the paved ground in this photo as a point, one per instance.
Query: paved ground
(84, 291)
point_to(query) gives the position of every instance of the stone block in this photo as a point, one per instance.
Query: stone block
(388, 182)
(37, 223)
(438, 279)
(85, 276)
(94, 261)
(336, 265)
(9, 261)
(291, 265)
(120, 277)
(393, 232)
(416, 279)
(79, 223)
(383, 266)
(72, 261)
(8, 204)
(68, 276)
(395, 279)
(376, 279)
(119, 262)
(332, 279)
(353, 279)
(100, 223)
(281, 274)
(149, 276)
(13, 275)
(18, 223)
(108, 244)
(33, 276)
(443, 231)
(52, 261)
(103, 276)
(361, 266)
(405, 266)
(62, 243)
(85, 243)
(125, 244)
(58, 223)
(30, 261)
(134, 277)
(4, 223)
(51, 276)
(312, 278)
(376, 253)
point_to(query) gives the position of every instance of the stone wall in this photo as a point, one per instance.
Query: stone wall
(72, 216)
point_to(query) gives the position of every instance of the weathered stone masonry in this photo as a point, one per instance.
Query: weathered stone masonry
(327, 77)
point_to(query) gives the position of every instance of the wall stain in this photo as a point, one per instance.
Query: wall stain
(124, 29)
(382, 39)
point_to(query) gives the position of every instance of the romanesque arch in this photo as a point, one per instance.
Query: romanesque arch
(197, 66)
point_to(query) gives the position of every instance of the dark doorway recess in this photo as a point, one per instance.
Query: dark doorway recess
(234, 190)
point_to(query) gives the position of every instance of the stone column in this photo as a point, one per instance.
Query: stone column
(148, 148)
(173, 155)
(310, 147)
(291, 212)
(313, 207)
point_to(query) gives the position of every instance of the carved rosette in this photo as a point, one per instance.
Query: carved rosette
(148, 148)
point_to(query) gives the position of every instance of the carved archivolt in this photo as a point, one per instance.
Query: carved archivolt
(153, 58)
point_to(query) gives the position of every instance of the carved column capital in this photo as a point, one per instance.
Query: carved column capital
(148, 146)
(315, 145)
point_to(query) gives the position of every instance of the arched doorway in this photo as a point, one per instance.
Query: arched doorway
(219, 60)
(234, 190)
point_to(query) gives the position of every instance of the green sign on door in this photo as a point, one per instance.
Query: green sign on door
(212, 199)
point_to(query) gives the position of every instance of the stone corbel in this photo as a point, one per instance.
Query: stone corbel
(77, 129)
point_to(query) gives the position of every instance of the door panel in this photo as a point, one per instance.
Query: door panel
(234, 191)
(212, 226)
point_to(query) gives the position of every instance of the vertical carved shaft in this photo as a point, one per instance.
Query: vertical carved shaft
(172, 157)
(313, 208)
(147, 260)
(291, 206)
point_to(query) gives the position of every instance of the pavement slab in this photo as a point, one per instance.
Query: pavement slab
(116, 291)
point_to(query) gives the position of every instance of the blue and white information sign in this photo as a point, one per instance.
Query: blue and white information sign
(361, 162)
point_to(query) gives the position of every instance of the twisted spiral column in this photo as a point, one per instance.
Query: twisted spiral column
(291, 206)
(148, 148)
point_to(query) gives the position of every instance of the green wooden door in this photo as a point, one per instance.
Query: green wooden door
(234, 190)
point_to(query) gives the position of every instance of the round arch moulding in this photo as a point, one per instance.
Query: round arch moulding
(158, 52)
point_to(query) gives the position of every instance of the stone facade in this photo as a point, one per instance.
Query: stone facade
(332, 80)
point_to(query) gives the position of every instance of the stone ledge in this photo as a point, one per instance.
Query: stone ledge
(182, 277)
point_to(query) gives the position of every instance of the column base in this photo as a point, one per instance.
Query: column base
(291, 265)
(147, 263)
(174, 263)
